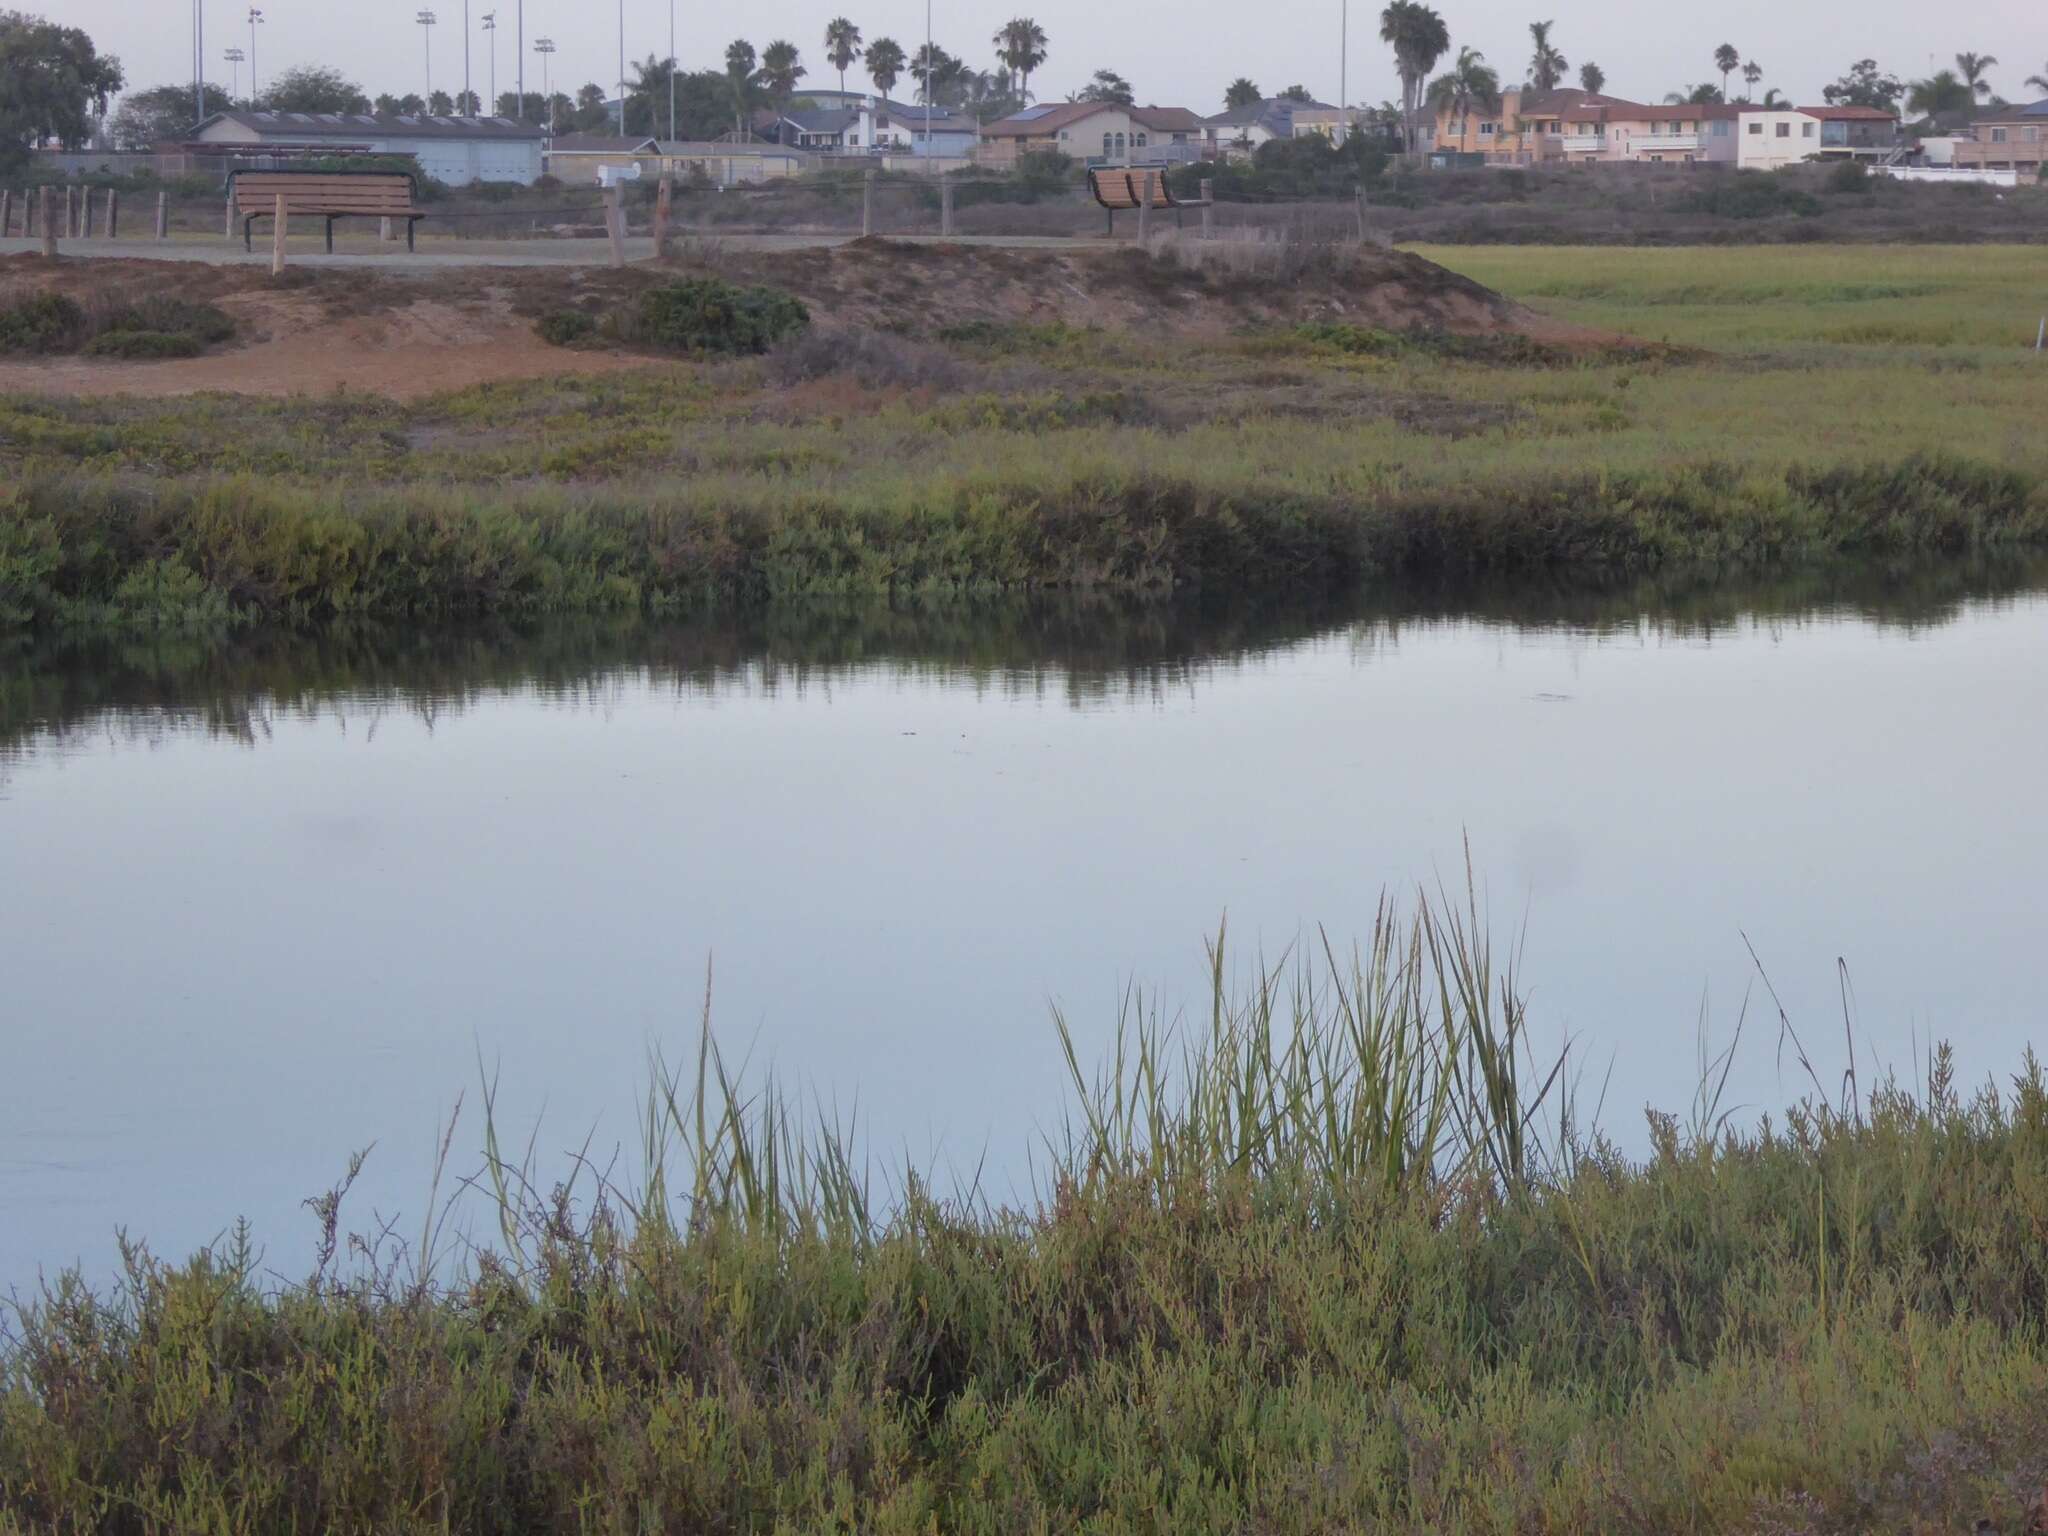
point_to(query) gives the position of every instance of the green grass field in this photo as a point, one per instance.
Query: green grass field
(1802, 402)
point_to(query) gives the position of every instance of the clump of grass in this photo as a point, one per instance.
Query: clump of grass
(147, 327)
(1338, 1257)
(136, 344)
(42, 322)
(566, 327)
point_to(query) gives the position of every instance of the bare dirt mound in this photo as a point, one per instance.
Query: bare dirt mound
(407, 334)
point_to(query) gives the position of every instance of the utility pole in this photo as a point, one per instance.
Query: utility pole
(255, 19)
(544, 46)
(198, 61)
(490, 25)
(426, 19)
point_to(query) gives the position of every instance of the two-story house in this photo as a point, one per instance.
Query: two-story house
(1096, 132)
(2010, 139)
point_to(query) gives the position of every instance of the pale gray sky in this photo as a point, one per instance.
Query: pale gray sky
(1182, 56)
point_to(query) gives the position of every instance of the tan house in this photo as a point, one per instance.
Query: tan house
(1096, 132)
(1532, 127)
(2011, 139)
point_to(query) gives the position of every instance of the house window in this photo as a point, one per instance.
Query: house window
(2031, 135)
(1486, 130)
(1998, 135)
(1140, 141)
(1784, 130)
(1806, 130)
(1756, 130)
(1721, 129)
(1108, 145)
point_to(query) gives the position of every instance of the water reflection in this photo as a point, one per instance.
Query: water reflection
(1082, 651)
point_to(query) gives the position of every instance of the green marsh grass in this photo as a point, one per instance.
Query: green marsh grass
(1340, 1256)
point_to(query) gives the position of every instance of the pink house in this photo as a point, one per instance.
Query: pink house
(1683, 135)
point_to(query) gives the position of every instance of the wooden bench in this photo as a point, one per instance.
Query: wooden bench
(324, 194)
(1121, 188)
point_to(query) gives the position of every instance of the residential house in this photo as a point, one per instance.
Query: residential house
(857, 122)
(1532, 128)
(1098, 132)
(455, 150)
(1693, 134)
(1770, 139)
(581, 159)
(1241, 130)
(2010, 139)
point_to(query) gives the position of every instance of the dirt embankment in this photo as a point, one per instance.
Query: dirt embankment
(407, 334)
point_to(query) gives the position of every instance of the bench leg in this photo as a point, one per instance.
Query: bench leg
(330, 234)
(408, 232)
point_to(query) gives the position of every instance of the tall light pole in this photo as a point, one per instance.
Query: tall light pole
(1343, 72)
(426, 19)
(490, 25)
(255, 20)
(671, 70)
(543, 46)
(198, 61)
(622, 68)
(927, 84)
(519, 55)
(465, 53)
(234, 57)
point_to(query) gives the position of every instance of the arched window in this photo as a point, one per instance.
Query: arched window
(1141, 140)
(1108, 145)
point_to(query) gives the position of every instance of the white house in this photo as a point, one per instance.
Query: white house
(1788, 135)
(455, 150)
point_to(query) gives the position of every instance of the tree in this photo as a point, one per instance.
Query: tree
(1106, 85)
(1727, 59)
(1295, 93)
(53, 85)
(591, 113)
(781, 68)
(1470, 84)
(1865, 85)
(1707, 95)
(842, 46)
(1592, 79)
(468, 104)
(1546, 65)
(310, 88)
(1241, 93)
(408, 105)
(740, 79)
(1419, 38)
(440, 103)
(885, 63)
(1943, 91)
(2037, 82)
(942, 80)
(146, 119)
(1751, 73)
(1970, 67)
(1773, 100)
(1020, 49)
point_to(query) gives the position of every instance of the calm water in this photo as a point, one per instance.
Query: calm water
(264, 906)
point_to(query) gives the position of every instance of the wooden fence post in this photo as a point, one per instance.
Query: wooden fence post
(662, 207)
(615, 221)
(1144, 206)
(1361, 214)
(113, 214)
(28, 213)
(867, 205)
(946, 208)
(162, 217)
(277, 234)
(231, 212)
(70, 213)
(384, 229)
(1208, 207)
(49, 224)
(6, 209)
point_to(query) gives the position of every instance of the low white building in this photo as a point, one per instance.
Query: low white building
(1769, 141)
(455, 150)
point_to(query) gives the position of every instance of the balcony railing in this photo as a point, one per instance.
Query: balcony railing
(1659, 143)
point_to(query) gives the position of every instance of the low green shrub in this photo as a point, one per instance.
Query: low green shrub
(43, 322)
(1751, 195)
(707, 314)
(143, 345)
(203, 324)
(565, 327)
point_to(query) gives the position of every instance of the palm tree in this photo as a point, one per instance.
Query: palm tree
(1727, 59)
(1592, 79)
(780, 70)
(1242, 93)
(1419, 38)
(1106, 85)
(1971, 67)
(1020, 49)
(1470, 83)
(739, 74)
(1940, 92)
(842, 47)
(1546, 64)
(1751, 73)
(885, 64)
(1774, 99)
(1706, 95)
